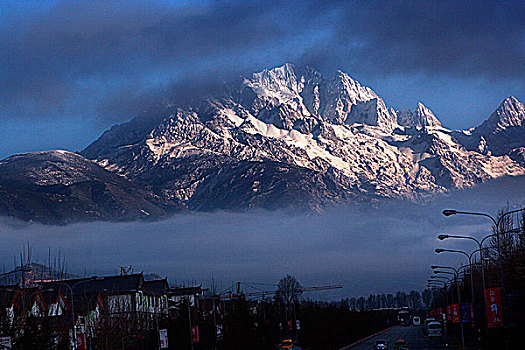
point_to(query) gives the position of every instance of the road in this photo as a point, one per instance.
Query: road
(413, 335)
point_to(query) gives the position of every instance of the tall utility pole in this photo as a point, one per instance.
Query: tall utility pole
(214, 323)
(189, 321)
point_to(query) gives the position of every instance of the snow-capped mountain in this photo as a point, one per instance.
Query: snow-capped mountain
(421, 117)
(502, 133)
(289, 136)
(333, 126)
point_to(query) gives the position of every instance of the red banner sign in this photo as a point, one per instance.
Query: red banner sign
(455, 313)
(436, 312)
(81, 342)
(195, 334)
(472, 319)
(494, 307)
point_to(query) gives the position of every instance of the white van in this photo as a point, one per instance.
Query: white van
(425, 325)
(434, 330)
(416, 321)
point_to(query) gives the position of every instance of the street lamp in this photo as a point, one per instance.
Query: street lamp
(449, 212)
(480, 245)
(442, 237)
(439, 284)
(447, 272)
(442, 277)
(443, 283)
(441, 250)
(480, 249)
(444, 267)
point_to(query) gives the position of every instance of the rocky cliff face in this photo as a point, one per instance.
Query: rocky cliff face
(292, 137)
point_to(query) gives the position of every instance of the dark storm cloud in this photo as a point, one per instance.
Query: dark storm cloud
(106, 48)
(458, 37)
(113, 58)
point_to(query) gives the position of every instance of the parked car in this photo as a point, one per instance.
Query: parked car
(380, 344)
(400, 344)
(287, 344)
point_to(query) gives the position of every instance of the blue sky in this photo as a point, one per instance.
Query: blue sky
(71, 69)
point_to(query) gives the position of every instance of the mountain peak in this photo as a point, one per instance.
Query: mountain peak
(421, 117)
(57, 154)
(279, 83)
(511, 99)
(510, 113)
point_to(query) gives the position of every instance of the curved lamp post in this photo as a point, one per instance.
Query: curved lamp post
(469, 256)
(480, 249)
(449, 212)
(446, 272)
(441, 250)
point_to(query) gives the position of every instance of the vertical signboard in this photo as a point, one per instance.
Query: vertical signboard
(5, 343)
(163, 338)
(449, 312)
(81, 341)
(494, 307)
(455, 313)
(219, 331)
(195, 334)
(464, 310)
(472, 318)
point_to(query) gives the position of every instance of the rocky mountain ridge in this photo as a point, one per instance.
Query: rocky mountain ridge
(331, 125)
(289, 136)
(63, 187)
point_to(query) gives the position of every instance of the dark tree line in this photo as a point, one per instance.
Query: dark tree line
(413, 300)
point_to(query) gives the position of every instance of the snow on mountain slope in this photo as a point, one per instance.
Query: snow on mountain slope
(511, 113)
(283, 137)
(422, 117)
(502, 133)
(59, 187)
(335, 127)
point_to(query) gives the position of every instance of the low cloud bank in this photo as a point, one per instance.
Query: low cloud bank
(378, 250)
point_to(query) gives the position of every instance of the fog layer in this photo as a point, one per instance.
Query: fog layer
(378, 250)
